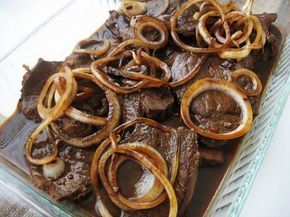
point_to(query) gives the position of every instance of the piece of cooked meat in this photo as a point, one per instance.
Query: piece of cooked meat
(186, 24)
(75, 183)
(119, 25)
(151, 103)
(165, 144)
(32, 84)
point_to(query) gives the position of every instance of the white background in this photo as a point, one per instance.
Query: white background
(270, 194)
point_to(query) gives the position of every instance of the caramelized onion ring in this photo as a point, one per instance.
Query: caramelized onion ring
(259, 41)
(103, 49)
(132, 8)
(101, 208)
(157, 187)
(130, 42)
(206, 35)
(106, 81)
(78, 115)
(227, 87)
(97, 137)
(102, 155)
(50, 114)
(179, 12)
(146, 81)
(144, 22)
(142, 202)
(174, 165)
(128, 150)
(254, 78)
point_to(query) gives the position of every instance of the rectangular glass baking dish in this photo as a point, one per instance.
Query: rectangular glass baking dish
(54, 39)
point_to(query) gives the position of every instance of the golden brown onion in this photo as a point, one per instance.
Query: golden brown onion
(218, 8)
(133, 8)
(101, 134)
(143, 23)
(143, 81)
(50, 114)
(76, 114)
(85, 46)
(145, 155)
(128, 150)
(235, 75)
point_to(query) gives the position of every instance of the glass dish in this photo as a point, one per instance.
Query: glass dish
(54, 40)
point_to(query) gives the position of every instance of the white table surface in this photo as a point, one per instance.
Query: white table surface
(270, 194)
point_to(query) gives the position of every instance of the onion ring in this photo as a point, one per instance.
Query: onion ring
(100, 158)
(254, 78)
(78, 115)
(230, 89)
(97, 137)
(146, 81)
(89, 42)
(180, 11)
(127, 150)
(132, 8)
(142, 23)
(50, 114)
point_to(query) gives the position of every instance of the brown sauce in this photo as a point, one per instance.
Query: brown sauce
(17, 128)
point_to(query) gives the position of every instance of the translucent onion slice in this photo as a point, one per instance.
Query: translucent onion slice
(84, 45)
(150, 22)
(230, 89)
(157, 187)
(106, 80)
(254, 78)
(54, 170)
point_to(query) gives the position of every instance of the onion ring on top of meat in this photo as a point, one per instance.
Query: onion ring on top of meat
(144, 155)
(83, 45)
(235, 75)
(51, 113)
(227, 87)
(143, 23)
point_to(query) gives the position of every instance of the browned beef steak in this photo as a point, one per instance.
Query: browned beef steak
(32, 84)
(75, 183)
(165, 143)
(119, 25)
(151, 103)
